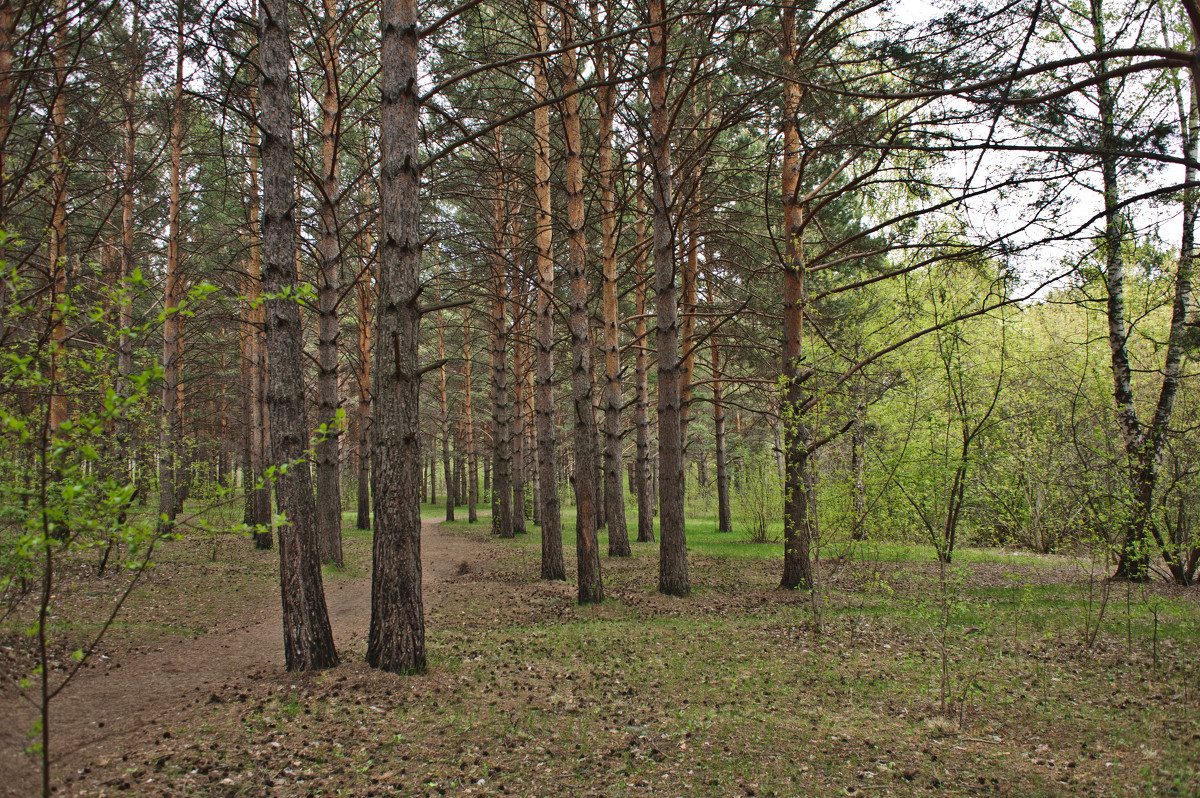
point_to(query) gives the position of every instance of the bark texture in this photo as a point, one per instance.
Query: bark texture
(169, 454)
(672, 562)
(724, 518)
(798, 524)
(587, 472)
(469, 426)
(329, 266)
(547, 445)
(614, 494)
(641, 472)
(396, 640)
(444, 426)
(517, 424)
(363, 519)
(307, 638)
(502, 523)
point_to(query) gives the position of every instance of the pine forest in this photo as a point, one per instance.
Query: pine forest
(599, 398)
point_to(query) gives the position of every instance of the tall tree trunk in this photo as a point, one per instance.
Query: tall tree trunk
(329, 266)
(363, 520)
(614, 494)
(397, 637)
(547, 445)
(444, 426)
(502, 523)
(672, 562)
(307, 638)
(530, 455)
(518, 406)
(247, 405)
(171, 454)
(431, 479)
(126, 269)
(472, 460)
(587, 472)
(724, 519)
(1189, 118)
(260, 421)
(798, 528)
(642, 489)
(688, 286)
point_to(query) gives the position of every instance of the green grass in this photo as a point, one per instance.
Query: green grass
(732, 692)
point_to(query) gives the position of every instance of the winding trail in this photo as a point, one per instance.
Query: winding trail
(104, 713)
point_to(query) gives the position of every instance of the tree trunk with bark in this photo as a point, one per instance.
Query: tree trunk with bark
(688, 290)
(672, 563)
(128, 178)
(444, 425)
(1143, 442)
(502, 523)
(170, 453)
(329, 266)
(642, 487)
(547, 445)
(724, 518)
(587, 472)
(307, 638)
(260, 504)
(469, 426)
(396, 641)
(517, 445)
(798, 526)
(614, 494)
(363, 518)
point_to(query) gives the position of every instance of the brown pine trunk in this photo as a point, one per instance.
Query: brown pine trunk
(502, 522)
(798, 528)
(126, 267)
(396, 641)
(642, 487)
(690, 273)
(247, 408)
(724, 519)
(530, 456)
(518, 420)
(469, 427)
(614, 494)
(451, 493)
(487, 464)
(587, 472)
(363, 520)
(170, 454)
(329, 265)
(307, 638)
(260, 438)
(431, 479)
(672, 563)
(547, 445)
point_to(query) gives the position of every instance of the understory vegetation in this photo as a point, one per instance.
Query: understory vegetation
(1001, 675)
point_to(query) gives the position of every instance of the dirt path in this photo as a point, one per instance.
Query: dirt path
(135, 697)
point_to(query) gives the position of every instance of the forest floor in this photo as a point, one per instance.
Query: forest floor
(740, 689)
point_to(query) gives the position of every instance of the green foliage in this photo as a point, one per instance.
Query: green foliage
(69, 476)
(757, 504)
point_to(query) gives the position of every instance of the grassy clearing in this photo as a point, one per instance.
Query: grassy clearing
(915, 681)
